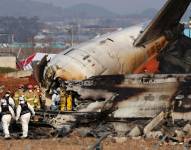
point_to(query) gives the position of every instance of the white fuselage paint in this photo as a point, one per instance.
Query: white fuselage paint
(113, 53)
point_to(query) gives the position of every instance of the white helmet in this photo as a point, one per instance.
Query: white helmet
(7, 95)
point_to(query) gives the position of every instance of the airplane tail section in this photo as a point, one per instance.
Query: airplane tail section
(167, 18)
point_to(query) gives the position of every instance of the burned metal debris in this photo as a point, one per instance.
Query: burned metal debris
(133, 96)
(140, 105)
(176, 56)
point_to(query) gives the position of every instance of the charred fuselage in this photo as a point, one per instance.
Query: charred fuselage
(136, 96)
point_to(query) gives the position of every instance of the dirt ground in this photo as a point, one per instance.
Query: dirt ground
(77, 143)
(12, 84)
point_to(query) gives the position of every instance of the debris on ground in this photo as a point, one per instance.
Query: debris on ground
(105, 130)
(135, 132)
(154, 123)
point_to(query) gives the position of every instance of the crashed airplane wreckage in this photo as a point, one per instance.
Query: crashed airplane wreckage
(134, 96)
(92, 71)
(120, 98)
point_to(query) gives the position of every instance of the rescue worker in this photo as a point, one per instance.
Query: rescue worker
(9, 99)
(69, 101)
(63, 99)
(7, 114)
(24, 112)
(18, 94)
(37, 100)
(30, 95)
(55, 99)
(66, 101)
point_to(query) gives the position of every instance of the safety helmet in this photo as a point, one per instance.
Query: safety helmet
(29, 86)
(8, 93)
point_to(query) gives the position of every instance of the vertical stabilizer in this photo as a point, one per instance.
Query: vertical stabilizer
(167, 18)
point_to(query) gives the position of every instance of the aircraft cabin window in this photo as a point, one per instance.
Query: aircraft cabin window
(86, 57)
(149, 97)
(68, 51)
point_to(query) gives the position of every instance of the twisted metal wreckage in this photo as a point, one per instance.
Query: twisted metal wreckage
(98, 72)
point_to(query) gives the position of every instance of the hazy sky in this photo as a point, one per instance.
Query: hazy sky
(119, 6)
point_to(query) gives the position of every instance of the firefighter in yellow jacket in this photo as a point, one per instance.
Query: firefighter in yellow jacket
(30, 96)
(65, 100)
(69, 101)
(18, 93)
(63, 97)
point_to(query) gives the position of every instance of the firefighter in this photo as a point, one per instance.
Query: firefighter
(37, 93)
(30, 95)
(55, 99)
(66, 101)
(24, 112)
(69, 101)
(63, 99)
(7, 114)
(18, 93)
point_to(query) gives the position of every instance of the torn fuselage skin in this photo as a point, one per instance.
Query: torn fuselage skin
(135, 96)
